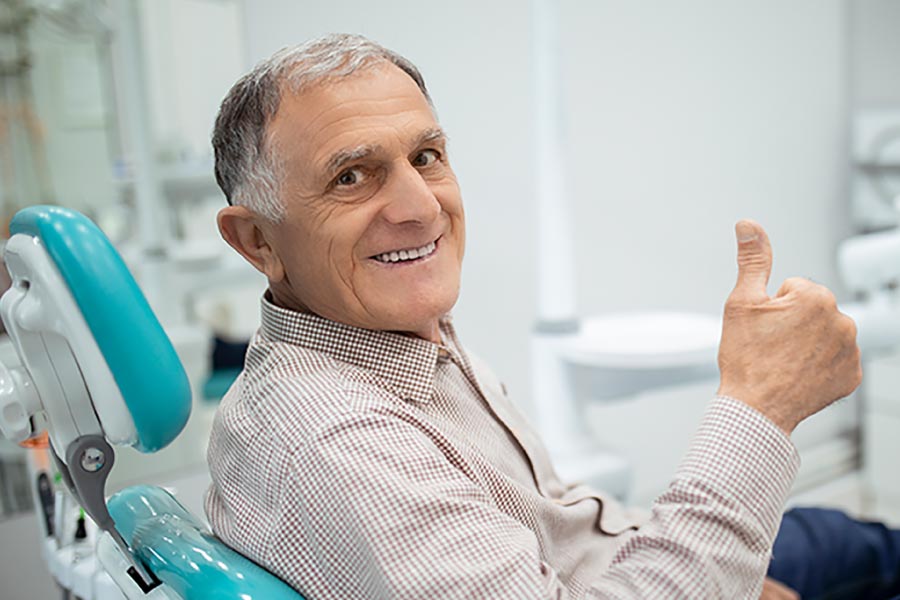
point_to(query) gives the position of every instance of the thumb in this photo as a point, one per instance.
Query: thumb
(754, 258)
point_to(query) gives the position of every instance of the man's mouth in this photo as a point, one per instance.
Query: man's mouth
(407, 254)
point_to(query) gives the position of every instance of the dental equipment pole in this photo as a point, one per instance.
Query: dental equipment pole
(556, 270)
(556, 319)
(149, 199)
(555, 409)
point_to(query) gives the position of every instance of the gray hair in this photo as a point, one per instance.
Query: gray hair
(247, 169)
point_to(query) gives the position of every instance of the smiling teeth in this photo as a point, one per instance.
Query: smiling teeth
(402, 255)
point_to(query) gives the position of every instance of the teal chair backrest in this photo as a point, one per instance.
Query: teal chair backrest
(152, 381)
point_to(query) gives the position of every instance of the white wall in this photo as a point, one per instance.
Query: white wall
(688, 116)
(193, 51)
(875, 43)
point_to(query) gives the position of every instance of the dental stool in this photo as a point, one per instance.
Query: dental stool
(97, 371)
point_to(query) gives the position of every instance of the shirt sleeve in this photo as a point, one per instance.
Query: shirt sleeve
(378, 507)
(711, 532)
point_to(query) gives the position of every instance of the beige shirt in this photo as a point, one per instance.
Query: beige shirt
(367, 464)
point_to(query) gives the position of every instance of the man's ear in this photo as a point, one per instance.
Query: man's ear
(244, 231)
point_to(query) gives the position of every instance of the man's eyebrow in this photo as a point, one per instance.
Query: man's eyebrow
(430, 135)
(347, 155)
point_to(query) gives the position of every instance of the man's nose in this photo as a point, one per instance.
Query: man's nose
(409, 198)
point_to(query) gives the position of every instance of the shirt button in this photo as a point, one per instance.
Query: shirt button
(443, 354)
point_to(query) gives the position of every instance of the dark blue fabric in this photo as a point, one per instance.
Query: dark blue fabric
(824, 554)
(228, 354)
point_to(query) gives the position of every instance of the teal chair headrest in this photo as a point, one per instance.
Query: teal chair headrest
(140, 356)
(179, 550)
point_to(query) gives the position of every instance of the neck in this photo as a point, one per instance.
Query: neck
(285, 299)
(430, 331)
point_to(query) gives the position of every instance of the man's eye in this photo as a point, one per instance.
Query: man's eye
(425, 158)
(350, 177)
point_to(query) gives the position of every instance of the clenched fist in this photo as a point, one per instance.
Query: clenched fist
(789, 356)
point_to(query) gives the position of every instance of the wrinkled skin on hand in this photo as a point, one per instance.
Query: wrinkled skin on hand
(788, 356)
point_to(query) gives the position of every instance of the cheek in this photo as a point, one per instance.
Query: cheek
(304, 254)
(448, 196)
(338, 244)
(454, 208)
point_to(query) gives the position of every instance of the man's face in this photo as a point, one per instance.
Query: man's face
(374, 230)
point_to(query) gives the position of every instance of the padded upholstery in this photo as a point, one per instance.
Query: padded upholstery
(118, 315)
(167, 538)
(178, 549)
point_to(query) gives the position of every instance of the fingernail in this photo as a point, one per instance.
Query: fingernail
(745, 232)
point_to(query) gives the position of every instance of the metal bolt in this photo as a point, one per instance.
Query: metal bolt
(92, 460)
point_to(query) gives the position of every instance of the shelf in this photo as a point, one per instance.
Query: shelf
(181, 181)
(872, 166)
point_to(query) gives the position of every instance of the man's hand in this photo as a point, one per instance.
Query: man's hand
(773, 590)
(789, 356)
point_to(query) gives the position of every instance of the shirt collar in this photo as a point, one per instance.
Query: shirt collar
(404, 363)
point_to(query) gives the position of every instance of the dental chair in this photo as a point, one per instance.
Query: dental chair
(98, 371)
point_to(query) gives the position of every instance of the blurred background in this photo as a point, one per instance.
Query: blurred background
(678, 120)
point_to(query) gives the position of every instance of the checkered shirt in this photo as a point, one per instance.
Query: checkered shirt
(359, 464)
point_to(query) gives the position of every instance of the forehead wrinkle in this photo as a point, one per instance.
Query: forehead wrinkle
(346, 107)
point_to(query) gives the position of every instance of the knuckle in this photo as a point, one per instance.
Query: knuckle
(823, 296)
(855, 372)
(849, 326)
(733, 305)
(728, 310)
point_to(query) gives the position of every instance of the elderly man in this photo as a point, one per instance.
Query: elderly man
(363, 453)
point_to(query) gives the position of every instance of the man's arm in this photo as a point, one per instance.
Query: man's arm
(786, 357)
(711, 532)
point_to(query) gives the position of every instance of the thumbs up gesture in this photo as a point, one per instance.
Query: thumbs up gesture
(787, 356)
